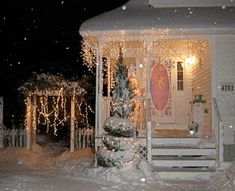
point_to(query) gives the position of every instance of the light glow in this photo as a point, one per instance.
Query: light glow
(190, 60)
(191, 132)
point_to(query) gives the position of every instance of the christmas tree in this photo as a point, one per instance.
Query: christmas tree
(120, 146)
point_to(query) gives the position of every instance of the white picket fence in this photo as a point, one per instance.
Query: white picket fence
(14, 137)
(84, 138)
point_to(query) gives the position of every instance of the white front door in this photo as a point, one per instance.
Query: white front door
(162, 90)
(183, 89)
(171, 92)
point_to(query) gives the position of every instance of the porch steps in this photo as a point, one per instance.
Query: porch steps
(183, 157)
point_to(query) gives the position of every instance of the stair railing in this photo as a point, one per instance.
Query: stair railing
(219, 134)
(149, 141)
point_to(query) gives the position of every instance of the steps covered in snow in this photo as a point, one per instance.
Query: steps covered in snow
(182, 155)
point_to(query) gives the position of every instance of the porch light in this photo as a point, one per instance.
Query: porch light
(191, 132)
(141, 65)
(190, 60)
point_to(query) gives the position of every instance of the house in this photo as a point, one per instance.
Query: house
(182, 54)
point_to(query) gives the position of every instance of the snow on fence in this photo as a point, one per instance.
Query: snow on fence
(14, 137)
(84, 138)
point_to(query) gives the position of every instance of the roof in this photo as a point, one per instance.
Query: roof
(191, 3)
(140, 15)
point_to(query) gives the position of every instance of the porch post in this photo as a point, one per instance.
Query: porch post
(96, 105)
(148, 101)
(109, 83)
(99, 94)
(100, 80)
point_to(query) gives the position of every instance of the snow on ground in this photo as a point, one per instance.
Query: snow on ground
(52, 168)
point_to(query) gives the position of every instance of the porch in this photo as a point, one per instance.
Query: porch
(171, 77)
(170, 90)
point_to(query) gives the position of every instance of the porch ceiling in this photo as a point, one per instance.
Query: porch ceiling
(138, 15)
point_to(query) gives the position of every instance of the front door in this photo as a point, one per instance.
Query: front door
(162, 90)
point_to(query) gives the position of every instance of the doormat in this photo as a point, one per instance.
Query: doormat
(171, 133)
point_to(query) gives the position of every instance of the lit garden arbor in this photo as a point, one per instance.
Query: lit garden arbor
(51, 100)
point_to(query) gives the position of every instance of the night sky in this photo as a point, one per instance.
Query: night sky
(41, 36)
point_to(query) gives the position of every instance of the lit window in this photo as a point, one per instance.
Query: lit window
(180, 76)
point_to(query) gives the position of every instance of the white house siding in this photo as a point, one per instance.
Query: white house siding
(201, 84)
(188, 91)
(225, 73)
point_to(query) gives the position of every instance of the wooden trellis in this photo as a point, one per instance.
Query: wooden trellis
(54, 86)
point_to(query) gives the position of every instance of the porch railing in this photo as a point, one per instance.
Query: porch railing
(219, 134)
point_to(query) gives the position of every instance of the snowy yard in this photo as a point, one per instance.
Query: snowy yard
(54, 169)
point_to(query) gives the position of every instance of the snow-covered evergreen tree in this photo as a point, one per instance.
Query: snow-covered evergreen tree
(120, 145)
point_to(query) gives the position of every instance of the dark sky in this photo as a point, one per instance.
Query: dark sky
(42, 36)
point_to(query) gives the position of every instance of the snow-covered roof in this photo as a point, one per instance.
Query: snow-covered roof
(141, 15)
(44, 84)
(191, 3)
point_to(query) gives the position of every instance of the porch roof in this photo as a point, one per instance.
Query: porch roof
(138, 15)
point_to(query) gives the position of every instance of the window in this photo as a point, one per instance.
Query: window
(180, 76)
